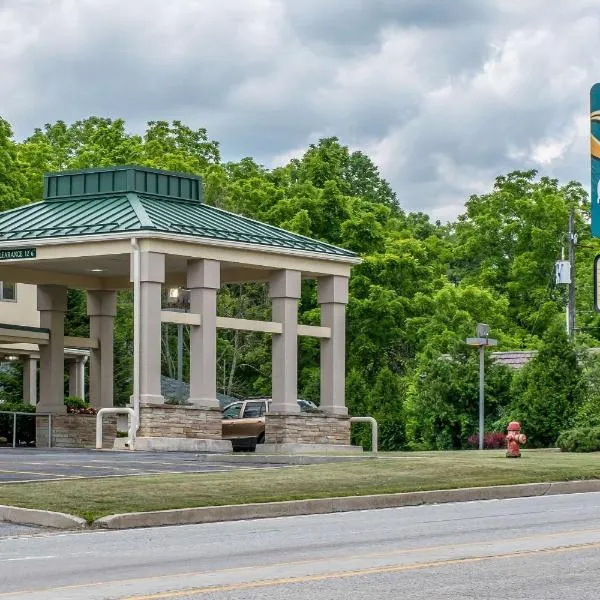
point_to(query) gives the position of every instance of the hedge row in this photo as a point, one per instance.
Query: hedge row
(583, 439)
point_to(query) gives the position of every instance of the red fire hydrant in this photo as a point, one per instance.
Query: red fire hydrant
(514, 438)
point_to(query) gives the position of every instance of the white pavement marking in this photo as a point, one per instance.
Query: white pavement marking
(27, 558)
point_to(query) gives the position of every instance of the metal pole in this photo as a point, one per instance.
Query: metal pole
(572, 242)
(15, 430)
(180, 361)
(481, 399)
(136, 330)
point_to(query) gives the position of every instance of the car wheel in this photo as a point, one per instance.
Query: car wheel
(260, 439)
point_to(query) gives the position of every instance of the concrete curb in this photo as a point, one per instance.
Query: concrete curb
(41, 518)
(212, 514)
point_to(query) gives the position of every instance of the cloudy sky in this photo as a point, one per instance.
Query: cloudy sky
(443, 94)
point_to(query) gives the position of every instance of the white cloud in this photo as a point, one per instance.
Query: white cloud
(443, 95)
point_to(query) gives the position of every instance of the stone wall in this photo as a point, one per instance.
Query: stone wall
(307, 428)
(176, 421)
(75, 431)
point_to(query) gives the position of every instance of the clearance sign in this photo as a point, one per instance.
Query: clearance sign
(595, 152)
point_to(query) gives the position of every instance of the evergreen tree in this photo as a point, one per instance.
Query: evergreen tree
(548, 391)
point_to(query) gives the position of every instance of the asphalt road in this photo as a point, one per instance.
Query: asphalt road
(36, 464)
(544, 548)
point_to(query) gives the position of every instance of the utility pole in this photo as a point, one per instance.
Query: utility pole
(572, 244)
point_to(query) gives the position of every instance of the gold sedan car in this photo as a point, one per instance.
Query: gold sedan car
(244, 421)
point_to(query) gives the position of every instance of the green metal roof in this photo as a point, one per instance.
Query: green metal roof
(136, 199)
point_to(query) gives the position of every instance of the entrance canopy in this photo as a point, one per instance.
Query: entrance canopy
(102, 229)
(79, 235)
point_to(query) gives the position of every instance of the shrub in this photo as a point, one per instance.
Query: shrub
(581, 439)
(75, 402)
(491, 440)
(78, 406)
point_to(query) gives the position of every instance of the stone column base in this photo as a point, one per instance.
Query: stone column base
(164, 444)
(307, 428)
(176, 421)
(327, 449)
(75, 431)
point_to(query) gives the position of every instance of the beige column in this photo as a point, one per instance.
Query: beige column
(74, 381)
(152, 276)
(52, 304)
(101, 309)
(203, 281)
(30, 380)
(333, 297)
(284, 289)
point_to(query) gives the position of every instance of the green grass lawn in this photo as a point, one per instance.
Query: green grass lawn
(398, 472)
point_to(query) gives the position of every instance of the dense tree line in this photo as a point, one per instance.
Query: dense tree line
(418, 293)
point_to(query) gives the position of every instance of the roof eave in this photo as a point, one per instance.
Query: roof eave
(154, 234)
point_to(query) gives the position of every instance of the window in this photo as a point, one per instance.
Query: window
(254, 410)
(232, 411)
(8, 291)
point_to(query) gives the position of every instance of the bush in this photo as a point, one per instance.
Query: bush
(75, 402)
(491, 440)
(581, 439)
(77, 405)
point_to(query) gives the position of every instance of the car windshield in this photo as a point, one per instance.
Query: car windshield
(232, 411)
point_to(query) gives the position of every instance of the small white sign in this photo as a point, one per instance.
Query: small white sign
(562, 270)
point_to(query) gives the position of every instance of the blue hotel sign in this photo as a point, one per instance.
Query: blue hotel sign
(595, 156)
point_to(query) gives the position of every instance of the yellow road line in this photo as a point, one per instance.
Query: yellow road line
(309, 561)
(355, 573)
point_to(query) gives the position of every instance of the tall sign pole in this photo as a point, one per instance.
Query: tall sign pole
(595, 156)
(595, 180)
(481, 395)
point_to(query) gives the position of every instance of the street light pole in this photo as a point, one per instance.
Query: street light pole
(482, 341)
(481, 394)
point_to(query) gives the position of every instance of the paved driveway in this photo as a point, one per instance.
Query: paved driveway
(31, 464)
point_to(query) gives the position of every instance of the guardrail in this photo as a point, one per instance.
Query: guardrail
(374, 430)
(116, 411)
(28, 414)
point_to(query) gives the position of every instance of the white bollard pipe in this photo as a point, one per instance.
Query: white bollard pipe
(374, 430)
(115, 411)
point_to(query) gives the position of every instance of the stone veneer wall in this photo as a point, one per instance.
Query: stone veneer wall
(75, 431)
(176, 421)
(307, 428)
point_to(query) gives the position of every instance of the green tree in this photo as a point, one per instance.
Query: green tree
(548, 391)
(442, 401)
(508, 241)
(12, 181)
(588, 413)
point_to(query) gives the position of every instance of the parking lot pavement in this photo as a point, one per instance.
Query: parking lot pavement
(32, 464)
